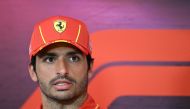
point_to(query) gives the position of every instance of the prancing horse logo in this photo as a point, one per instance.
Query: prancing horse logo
(60, 25)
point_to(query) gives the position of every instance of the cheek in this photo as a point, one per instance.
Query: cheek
(79, 72)
(45, 73)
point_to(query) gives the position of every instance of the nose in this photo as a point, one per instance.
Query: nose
(61, 67)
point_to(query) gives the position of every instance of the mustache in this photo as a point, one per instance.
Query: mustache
(66, 77)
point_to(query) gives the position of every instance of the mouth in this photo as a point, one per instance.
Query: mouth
(62, 84)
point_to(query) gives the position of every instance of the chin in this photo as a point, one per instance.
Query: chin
(65, 96)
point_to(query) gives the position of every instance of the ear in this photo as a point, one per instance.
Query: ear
(32, 73)
(90, 74)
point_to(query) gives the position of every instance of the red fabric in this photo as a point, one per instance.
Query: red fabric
(45, 33)
(88, 104)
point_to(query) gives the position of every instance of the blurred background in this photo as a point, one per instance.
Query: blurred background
(17, 19)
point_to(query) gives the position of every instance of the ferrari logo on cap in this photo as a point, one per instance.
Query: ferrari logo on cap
(60, 25)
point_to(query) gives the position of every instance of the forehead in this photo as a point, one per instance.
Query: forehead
(60, 47)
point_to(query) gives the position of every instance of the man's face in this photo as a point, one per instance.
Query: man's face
(62, 72)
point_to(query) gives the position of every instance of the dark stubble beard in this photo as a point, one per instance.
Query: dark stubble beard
(82, 89)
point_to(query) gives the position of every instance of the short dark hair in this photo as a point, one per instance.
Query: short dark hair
(88, 58)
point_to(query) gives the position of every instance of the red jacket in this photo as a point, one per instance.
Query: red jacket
(88, 104)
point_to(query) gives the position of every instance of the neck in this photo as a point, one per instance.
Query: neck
(74, 103)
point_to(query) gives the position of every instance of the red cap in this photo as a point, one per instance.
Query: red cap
(59, 29)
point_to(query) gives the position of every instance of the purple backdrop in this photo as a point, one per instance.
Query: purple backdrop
(17, 18)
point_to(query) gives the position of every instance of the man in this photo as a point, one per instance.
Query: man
(61, 63)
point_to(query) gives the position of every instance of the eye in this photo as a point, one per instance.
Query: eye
(74, 58)
(49, 59)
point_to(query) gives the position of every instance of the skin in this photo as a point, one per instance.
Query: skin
(62, 74)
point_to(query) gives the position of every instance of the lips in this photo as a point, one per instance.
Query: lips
(62, 84)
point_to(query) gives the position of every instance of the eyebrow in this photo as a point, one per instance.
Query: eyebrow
(47, 54)
(74, 53)
(54, 54)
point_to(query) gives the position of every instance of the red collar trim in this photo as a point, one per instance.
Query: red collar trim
(88, 104)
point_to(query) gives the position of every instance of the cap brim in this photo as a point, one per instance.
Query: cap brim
(57, 41)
